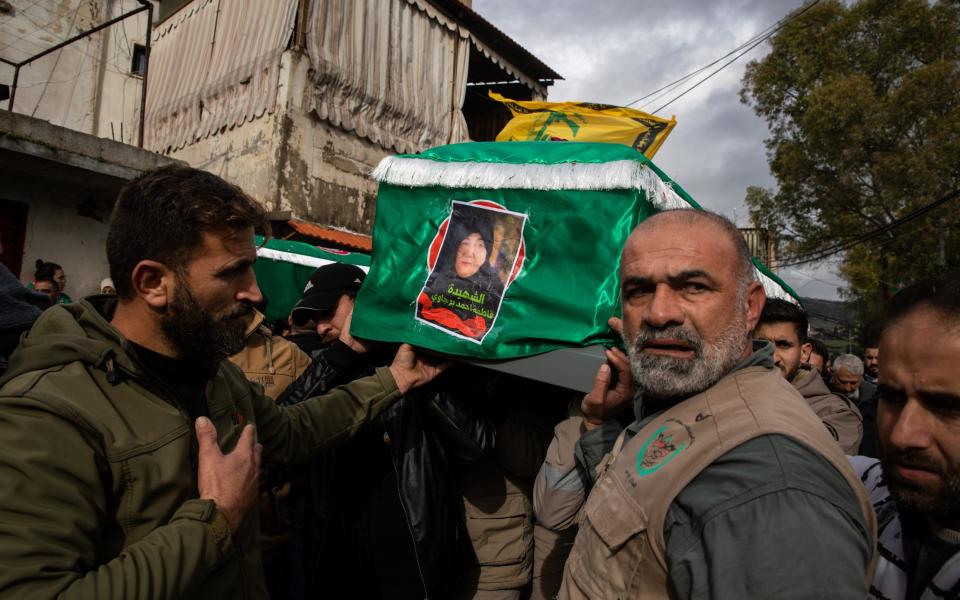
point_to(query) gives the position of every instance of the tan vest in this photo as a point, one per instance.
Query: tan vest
(271, 361)
(620, 551)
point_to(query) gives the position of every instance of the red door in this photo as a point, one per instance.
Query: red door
(13, 232)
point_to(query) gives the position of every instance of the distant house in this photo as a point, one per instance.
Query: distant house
(294, 100)
(297, 100)
(92, 85)
(762, 244)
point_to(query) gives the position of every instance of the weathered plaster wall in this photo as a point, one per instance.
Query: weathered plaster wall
(118, 107)
(292, 161)
(60, 86)
(57, 232)
(86, 86)
(324, 173)
(245, 156)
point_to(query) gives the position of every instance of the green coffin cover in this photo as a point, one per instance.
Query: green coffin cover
(552, 218)
(283, 268)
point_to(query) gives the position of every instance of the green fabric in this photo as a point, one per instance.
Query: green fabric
(283, 281)
(518, 153)
(568, 286)
(98, 488)
(562, 297)
(776, 278)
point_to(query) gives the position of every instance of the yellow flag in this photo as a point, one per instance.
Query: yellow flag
(584, 122)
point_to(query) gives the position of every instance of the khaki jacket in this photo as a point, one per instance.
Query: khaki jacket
(619, 551)
(270, 360)
(497, 500)
(840, 416)
(98, 467)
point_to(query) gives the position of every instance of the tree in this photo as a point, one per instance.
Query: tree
(863, 107)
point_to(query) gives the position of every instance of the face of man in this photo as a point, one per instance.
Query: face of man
(788, 353)
(817, 362)
(46, 287)
(471, 253)
(918, 416)
(60, 278)
(213, 296)
(686, 317)
(871, 361)
(845, 382)
(329, 324)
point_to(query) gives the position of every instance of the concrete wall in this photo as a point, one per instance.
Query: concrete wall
(87, 85)
(56, 232)
(245, 155)
(69, 180)
(119, 104)
(59, 87)
(293, 161)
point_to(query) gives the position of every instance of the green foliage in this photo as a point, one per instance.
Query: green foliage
(863, 106)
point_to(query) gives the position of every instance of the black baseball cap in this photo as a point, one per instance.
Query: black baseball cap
(324, 289)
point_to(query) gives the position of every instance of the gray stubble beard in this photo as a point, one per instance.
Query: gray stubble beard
(668, 377)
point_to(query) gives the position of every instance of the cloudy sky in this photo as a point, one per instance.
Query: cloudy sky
(615, 51)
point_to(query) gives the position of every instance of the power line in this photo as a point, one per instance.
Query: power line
(747, 46)
(819, 255)
(674, 83)
(717, 70)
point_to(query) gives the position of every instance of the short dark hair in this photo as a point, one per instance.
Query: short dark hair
(941, 295)
(777, 310)
(162, 215)
(45, 271)
(818, 347)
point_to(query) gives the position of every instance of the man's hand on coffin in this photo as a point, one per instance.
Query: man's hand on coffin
(605, 401)
(412, 369)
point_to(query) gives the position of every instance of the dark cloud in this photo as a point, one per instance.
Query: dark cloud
(614, 51)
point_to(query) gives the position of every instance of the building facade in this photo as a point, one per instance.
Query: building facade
(297, 100)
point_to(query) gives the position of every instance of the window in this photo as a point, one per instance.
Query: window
(138, 63)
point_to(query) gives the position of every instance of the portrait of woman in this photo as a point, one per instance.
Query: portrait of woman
(465, 288)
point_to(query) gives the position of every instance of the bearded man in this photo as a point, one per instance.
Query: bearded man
(725, 484)
(784, 324)
(915, 486)
(105, 491)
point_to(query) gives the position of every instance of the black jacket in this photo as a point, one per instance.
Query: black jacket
(426, 432)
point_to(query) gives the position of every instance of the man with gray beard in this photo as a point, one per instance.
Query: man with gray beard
(724, 484)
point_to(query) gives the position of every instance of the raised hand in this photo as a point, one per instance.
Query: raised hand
(357, 345)
(230, 480)
(411, 369)
(604, 402)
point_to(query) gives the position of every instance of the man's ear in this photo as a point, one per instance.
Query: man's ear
(805, 351)
(754, 298)
(153, 281)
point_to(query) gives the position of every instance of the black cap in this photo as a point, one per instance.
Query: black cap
(324, 289)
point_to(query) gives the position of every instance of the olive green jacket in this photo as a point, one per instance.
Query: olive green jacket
(98, 467)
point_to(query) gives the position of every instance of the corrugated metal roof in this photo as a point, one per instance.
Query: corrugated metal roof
(489, 34)
(356, 241)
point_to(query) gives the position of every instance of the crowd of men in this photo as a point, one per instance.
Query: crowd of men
(162, 442)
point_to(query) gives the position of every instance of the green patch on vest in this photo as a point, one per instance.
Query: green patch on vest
(662, 446)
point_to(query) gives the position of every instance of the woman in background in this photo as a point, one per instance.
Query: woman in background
(48, 271)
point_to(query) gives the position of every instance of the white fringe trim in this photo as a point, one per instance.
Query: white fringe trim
(772, 288)
(614, 175)
(298, 259)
